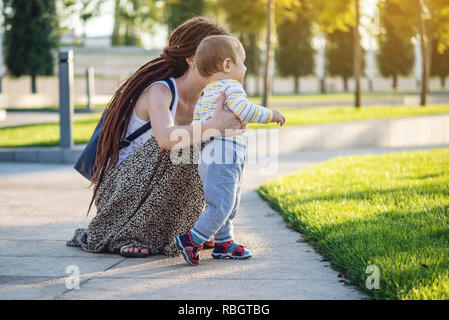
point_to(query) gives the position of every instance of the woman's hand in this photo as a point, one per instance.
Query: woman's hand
(226, 121)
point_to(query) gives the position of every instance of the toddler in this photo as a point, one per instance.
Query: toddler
(220, 58)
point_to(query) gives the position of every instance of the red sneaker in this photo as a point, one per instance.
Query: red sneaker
(188, 248)
(230, 249)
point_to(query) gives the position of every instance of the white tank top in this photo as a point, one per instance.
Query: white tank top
(135, 123)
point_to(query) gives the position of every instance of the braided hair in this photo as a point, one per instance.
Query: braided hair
(172, 62)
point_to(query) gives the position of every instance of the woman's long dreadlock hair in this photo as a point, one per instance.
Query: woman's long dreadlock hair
(172, 62)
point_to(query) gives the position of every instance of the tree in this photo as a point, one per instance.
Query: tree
(31, 36)
(273, 7)
(332, 16)
(268, 68)
(340, 54)
(294, 54)
(178, 11)
(396, 55)
(428, 19)
(357, 55)
(85, 9)
(433, 22)
(439, 22)
(247, 20)
(440, 62)
(82, 9)
(424, 53)
(131, 18)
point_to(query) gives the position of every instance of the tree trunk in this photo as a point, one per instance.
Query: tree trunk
(33, 83)
(115, 39)
(323, 87)
(345, 84)
(357, 56)
(395, 82)
(269, 55)
(424, 82)
(296, 85)
(443, 82)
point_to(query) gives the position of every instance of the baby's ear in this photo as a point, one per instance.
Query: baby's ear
(227, 65)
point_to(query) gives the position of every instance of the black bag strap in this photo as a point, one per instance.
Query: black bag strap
(147, 126)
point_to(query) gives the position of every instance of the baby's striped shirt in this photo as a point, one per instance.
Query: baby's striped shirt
(236, 101)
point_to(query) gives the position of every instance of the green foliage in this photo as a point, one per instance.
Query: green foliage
(294, 54)
(334, 15)
(439, 22)
(440, 62)
(391, 211)
(247, 19)
(245, 16)
(86, 9)
(178, 11)
(31, 36)
(396, 54)
(250, 42)
(340, 53)
(131, 17)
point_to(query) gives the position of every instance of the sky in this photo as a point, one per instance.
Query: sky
(103, 25)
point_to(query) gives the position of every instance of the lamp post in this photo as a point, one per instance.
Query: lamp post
(65, 99)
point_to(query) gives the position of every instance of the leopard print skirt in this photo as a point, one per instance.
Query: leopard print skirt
(144, 201)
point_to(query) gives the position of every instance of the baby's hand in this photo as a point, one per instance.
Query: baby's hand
(278, 117)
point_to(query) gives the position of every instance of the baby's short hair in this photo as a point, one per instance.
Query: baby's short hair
(213, 50)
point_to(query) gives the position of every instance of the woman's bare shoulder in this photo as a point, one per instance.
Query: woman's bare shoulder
(156, 95)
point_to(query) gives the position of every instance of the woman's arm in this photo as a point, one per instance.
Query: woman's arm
(170, 136)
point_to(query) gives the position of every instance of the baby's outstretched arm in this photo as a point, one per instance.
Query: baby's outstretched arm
(247, 111)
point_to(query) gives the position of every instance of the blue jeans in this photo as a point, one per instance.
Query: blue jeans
(222, 189)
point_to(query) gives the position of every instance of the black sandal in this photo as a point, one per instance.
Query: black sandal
(133, 254)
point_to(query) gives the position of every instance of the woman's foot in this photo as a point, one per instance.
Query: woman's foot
(230, 249)
(134, 251)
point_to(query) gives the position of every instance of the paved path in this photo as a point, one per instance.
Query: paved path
(42, 204)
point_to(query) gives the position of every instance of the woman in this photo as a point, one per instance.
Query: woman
(143, 199)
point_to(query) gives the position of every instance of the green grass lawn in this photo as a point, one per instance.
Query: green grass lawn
(391, 211)
(316, 115)
(48, 134)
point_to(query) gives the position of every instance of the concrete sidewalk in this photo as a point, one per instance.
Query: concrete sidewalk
(42, 204)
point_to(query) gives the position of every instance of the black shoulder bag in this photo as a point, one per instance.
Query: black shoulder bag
(85, 163)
